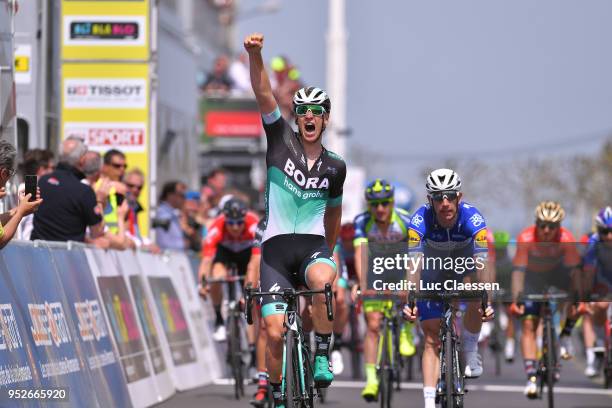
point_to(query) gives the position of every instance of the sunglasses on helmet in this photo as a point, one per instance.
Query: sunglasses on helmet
(439, 196)
(317, 110)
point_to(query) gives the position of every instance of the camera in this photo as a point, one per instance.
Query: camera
(163, 223)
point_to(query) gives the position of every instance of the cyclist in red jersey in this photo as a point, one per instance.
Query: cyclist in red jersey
(229, 241)
(546, 253)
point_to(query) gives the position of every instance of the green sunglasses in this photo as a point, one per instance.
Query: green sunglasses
(316, 110)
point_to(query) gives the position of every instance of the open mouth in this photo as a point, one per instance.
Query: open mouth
(309, 127)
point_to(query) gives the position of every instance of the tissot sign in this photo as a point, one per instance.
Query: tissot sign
(105, 93)
(104, 30)
(126, 136)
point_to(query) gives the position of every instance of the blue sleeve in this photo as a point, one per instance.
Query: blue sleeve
(416, 230)
(477, 227)
(269, 118)
(360, 222)
(590, 256)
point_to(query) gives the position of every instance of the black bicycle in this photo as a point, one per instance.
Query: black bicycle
(236, 349)
(450, 390)
(389, 362)
(547, 365)
(297, 383)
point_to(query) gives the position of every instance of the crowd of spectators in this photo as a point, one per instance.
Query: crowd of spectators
(231, 78)
(92, 198)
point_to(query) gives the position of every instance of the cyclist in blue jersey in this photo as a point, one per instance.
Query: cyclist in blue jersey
(383, 222)
(597, 265)
(447, 227)
(303, 212)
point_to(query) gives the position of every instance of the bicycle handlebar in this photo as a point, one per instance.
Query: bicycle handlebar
(288, 294)
(228, 279)
(450, 295)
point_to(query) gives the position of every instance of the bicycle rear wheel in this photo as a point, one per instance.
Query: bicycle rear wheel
(235, 354)
(355, 342)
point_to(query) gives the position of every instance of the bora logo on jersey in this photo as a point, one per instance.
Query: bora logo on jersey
(301, 180)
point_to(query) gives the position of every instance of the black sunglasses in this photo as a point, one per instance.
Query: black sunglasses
(119, 165)
(549, 225)
(604, 231)
(376, 203)
(441, 195)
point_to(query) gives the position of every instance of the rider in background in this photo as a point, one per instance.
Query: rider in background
(546, 255)
(382, 223)
(260, 398)
(597, 266)
(503, 276)
(447, 226)
(229, 242)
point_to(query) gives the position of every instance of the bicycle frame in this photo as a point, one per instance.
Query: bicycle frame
(447, 330)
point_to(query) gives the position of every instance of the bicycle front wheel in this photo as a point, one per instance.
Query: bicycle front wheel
(235, 355)
(385, 375)
(551, 363)
(294, 377)
(449, 369)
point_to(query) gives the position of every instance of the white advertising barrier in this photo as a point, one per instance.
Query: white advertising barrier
(187, 368)
(126, 331)
(127, 264)
(181, 270)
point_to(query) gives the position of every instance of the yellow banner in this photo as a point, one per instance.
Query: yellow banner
(105, 30)
(107, 105)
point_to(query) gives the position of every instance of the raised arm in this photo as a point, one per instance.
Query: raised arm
(260, 82)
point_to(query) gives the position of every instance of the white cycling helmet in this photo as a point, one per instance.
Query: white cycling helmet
(603, 219)
(549, 211)
(443, 180)
(312, 96)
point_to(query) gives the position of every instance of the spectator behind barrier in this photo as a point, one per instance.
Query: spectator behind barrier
(218, 81)
(10, 220)
(189, 221)
(35, 162)
(69, 205)
(167, 224)
(214, 189)
(134, 181)
(92, 168)
(240, 76)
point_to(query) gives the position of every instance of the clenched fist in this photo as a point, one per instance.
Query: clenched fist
(253, 42)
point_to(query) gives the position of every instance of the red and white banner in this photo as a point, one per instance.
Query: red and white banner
(102, 136)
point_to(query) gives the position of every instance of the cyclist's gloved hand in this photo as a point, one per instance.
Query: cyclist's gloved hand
(583, 308)
(516, 309)
(410, 313)
(488, 314)
(355, 293)
(203, 291)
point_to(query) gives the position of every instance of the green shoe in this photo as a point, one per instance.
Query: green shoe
(322, 374)
(370, 392)
(406, 343)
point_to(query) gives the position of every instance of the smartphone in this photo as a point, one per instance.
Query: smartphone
(31, 184)
(120, 198)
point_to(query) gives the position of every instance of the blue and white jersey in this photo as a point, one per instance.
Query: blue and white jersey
(599, 256)
(467, 238)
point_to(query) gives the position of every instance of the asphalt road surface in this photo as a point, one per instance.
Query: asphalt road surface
(506, 391)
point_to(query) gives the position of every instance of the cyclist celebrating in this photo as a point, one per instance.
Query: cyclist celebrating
(444, 227)
(303, 211)
(229, 242)
(537, 264)
(383, 222)
(597, 264)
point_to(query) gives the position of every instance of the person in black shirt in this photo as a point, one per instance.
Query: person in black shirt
(69, 206)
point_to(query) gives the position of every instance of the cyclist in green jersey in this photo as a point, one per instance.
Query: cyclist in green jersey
(381, 223)
(303, 212)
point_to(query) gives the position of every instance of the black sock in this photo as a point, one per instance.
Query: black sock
(276, 391)
(337, 341)
(218, 316)
(567, 327)
(530, 368)
(307, 339)
(322, 344)
(253, 351)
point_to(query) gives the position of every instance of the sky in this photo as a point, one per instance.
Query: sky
(429, 80)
